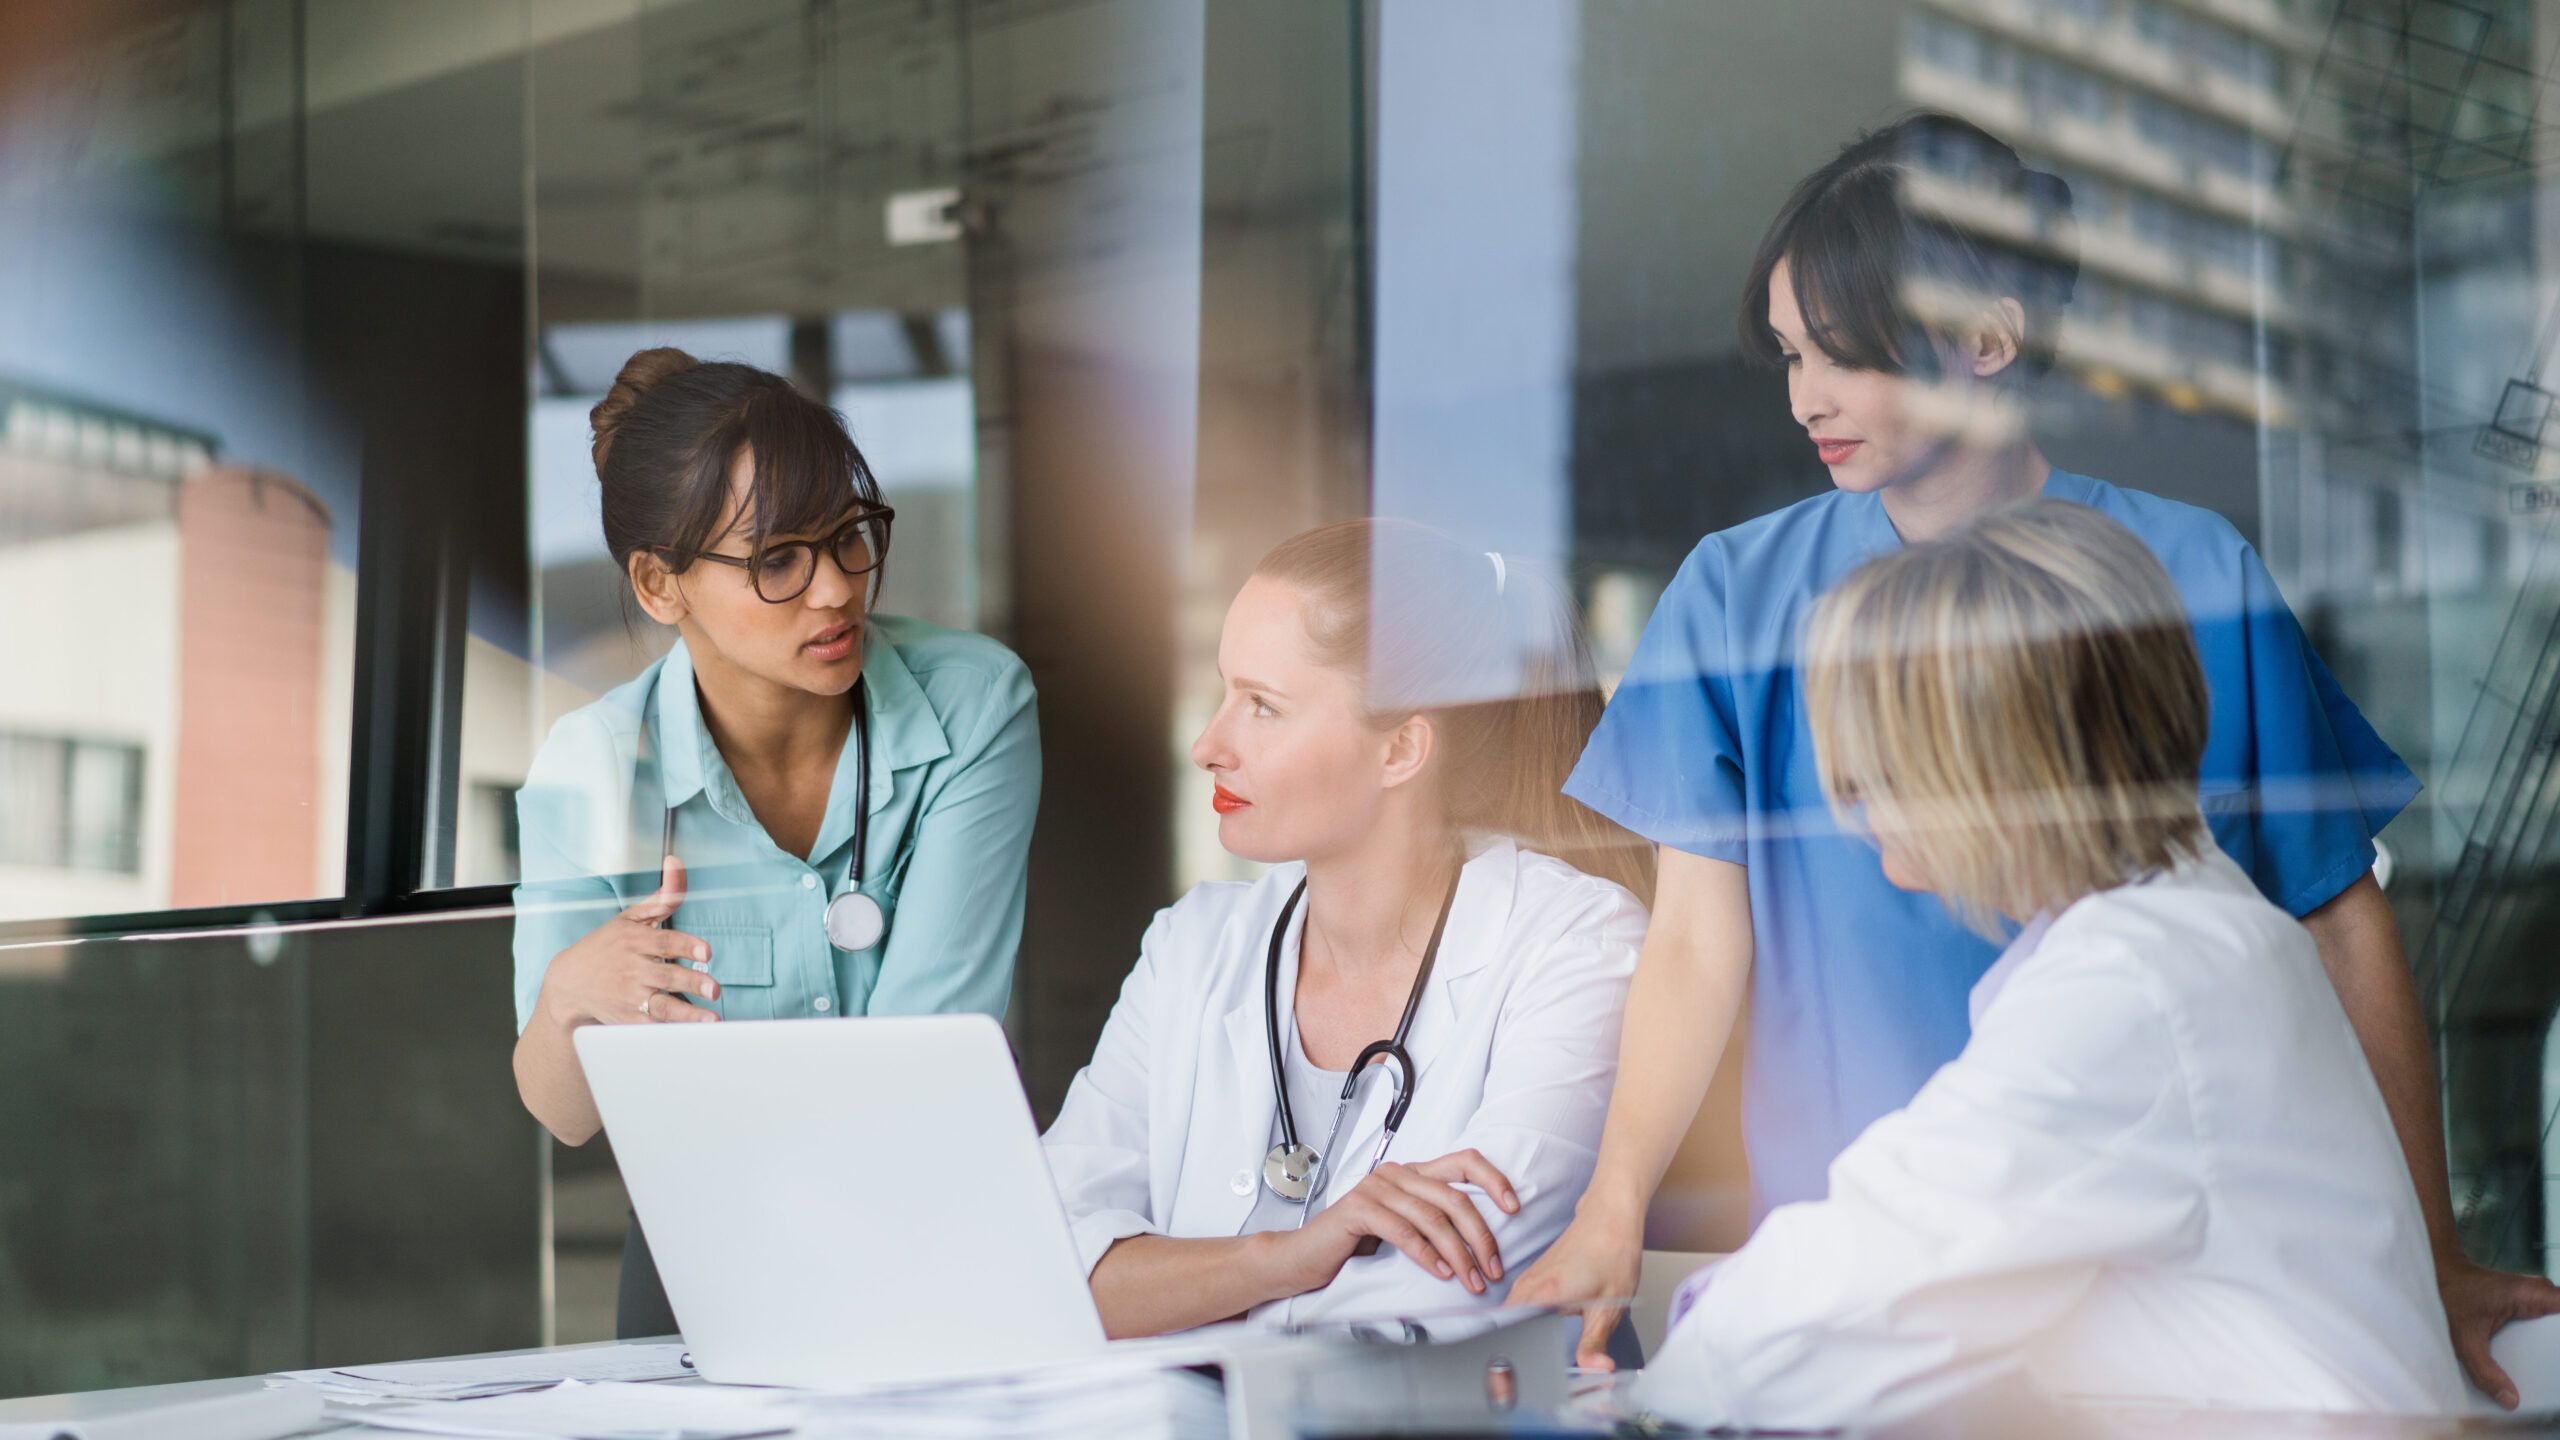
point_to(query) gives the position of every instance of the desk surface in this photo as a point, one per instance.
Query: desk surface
(1991, 1420)
(1266, 1385)
(97, 1404)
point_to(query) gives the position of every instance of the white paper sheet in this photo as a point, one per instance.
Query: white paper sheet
(1104, 1402)
(1111, 1402)
(609, 1410)
(496, 1375)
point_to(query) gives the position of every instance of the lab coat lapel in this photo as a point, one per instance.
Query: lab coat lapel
(1479, 919)
(1243, 1125)
(1242, 1118)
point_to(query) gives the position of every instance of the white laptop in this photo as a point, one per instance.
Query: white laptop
(845, 1202)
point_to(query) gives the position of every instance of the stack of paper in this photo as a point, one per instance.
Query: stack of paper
(494, 1375)
(1105, 1402)
(606, 1410)
(606, 1393)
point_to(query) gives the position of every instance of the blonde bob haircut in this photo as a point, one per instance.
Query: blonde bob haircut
(2017, 706)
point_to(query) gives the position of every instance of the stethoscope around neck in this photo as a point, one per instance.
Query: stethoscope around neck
(854, 921)
(1292, 1171)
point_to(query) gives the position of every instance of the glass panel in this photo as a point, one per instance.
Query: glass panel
(250, 253)
(720, 178)
(152, 1216)
(2313, 297)
(174, 501)
(226, 1157)
(1113, 295)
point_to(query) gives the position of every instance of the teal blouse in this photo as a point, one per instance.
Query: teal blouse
(955, 781)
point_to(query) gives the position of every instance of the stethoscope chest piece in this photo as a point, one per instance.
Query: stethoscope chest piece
(1290, 1171)
(854, 921)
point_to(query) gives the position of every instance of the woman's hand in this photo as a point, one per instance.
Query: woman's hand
(1419, 1210)
(618, 973)
(2478, 1301)
(1592, 1260)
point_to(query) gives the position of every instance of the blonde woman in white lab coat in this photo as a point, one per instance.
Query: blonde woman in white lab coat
(1397, 718)
(2160, 1170)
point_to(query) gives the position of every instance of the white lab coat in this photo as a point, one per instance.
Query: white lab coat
(1516, 1042)
(2160, 1170)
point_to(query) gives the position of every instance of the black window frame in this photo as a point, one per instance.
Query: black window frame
(419, 535)
(404, 762)
(422, 527)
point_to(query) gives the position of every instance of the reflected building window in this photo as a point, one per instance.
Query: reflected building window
(70, 804)
(178, 721)
(2085, 12)
(2053, 86)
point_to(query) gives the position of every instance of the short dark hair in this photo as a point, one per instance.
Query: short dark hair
(1853, 243)
(670, 428)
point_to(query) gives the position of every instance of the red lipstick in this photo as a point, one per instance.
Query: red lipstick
(1835, 451)
(1227, 802)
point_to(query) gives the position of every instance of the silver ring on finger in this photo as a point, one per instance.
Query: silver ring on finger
(645, 999)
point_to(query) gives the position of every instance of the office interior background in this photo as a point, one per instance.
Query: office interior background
(303, 303)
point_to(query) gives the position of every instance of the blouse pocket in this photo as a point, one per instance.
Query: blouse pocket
(742, 961)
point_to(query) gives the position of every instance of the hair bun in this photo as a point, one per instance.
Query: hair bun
(639, 375)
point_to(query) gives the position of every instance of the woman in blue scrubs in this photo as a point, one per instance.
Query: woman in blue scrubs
(807, 808)
(1907, 345)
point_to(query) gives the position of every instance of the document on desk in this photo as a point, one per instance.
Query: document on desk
(1107, 1403)
(1103, 1402)
(603, 1410)
(494, 1375)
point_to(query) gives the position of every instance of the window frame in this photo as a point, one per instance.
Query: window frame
(404, 762)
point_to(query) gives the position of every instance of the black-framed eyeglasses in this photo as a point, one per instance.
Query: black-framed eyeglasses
(781, 572)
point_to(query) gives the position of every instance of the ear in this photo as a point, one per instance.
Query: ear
(1409, 748)
(654, 585)
(1992, 345)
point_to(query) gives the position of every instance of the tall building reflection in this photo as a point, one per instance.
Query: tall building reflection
(2321, 218)
(2167, 122)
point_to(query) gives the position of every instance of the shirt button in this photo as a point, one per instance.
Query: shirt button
(822, 1004)
(1242, 1183)
(808, 882)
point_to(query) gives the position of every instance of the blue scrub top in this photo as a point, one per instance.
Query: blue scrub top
(955, 782)
(1859, 989)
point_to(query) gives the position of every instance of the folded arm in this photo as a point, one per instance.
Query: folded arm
(1958, 1228)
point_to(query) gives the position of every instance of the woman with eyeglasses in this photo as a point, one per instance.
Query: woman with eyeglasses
(806, 808)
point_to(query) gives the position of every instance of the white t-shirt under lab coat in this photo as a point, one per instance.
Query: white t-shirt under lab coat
(1516, 1042)
(1314, 1094)
(2160, 1170)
